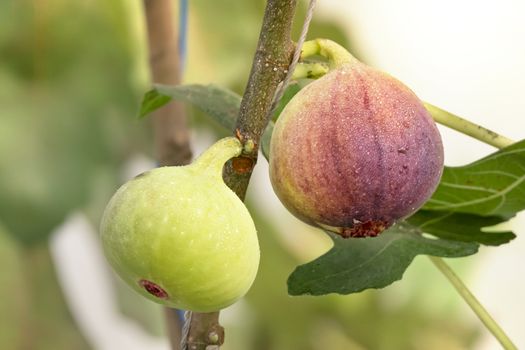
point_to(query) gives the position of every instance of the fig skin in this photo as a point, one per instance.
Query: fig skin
(180, 237)
(354, 152)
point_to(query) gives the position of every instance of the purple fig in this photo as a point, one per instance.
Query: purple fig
(354, 152)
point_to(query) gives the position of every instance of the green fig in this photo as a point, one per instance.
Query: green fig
(354, 151)
(180, 237)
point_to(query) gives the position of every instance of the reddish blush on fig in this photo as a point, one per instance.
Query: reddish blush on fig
(354, 152)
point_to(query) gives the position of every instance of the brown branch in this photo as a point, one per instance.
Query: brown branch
(272, 58)
(270, 66)
(205, 332)
(170, 122)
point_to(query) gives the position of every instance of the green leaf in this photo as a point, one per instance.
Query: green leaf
(221, 104)
(461, 227)
(491, 186)
(152, 101)
(356, 264)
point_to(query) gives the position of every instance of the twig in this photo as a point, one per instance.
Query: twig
(170, 122)
(204, 331)
(467, 127)
(295, 59)
(270, 66)
(474, 304)
(489, 137)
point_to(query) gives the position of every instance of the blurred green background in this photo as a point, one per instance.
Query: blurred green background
(72, 74)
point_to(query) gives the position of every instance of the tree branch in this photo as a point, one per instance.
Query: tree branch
(170, 122)
(270, 66)
(205, 332)
(272, 58)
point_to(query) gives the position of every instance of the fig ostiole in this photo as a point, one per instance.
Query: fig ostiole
(180, 237)
(354, 151)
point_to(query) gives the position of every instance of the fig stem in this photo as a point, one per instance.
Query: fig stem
(309, 70)
(474, 304)
(332, 51)
(212, 160)
(466, 127)
(490, 137)
(338, 55)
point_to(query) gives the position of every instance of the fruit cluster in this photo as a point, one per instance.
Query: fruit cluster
(353, 152)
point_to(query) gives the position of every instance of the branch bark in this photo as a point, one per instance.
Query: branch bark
(269, 68)
(170, 124)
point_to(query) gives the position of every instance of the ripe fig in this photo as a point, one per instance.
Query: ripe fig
(354, 151)
(180, 237)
